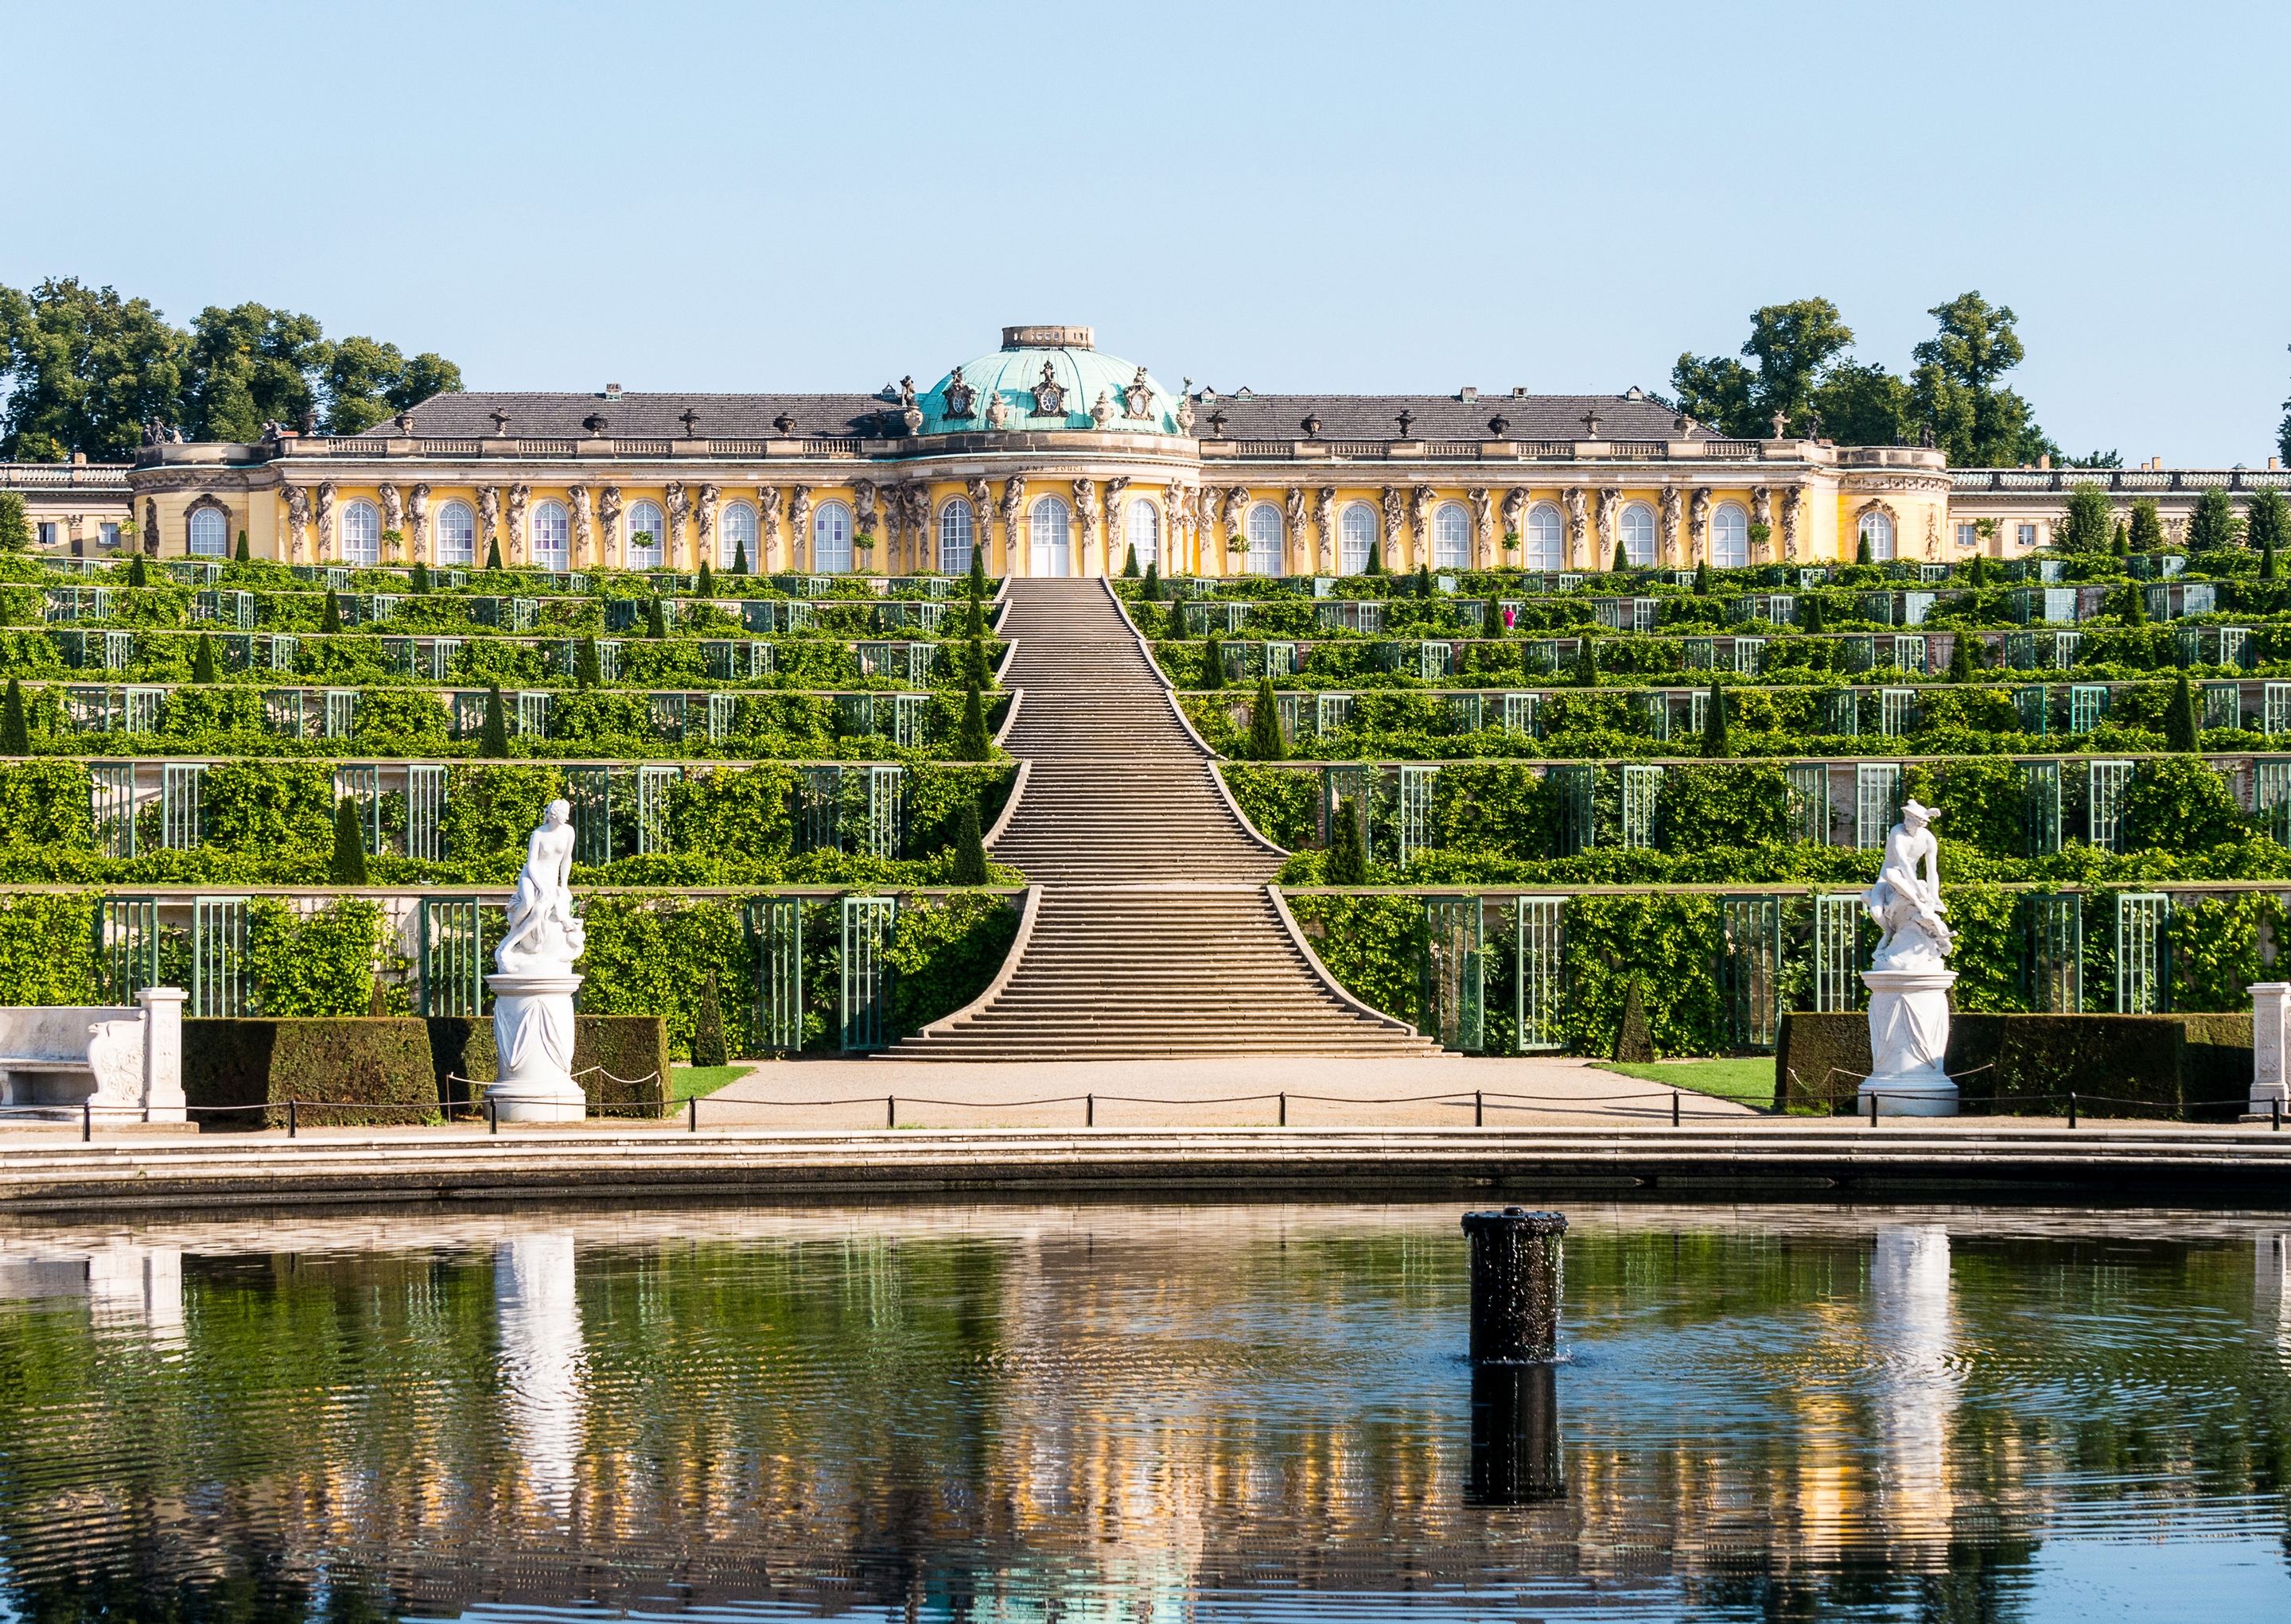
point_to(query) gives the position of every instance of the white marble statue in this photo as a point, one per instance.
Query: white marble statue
(1908, 977)
(533, 984)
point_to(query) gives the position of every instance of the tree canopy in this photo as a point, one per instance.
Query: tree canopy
(85, 368)
(1804, 371)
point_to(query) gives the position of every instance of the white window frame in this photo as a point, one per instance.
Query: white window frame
(1636, 528)
(656, 527)
(957, 535)
(1146, 530)
(1544, 546)
(1878, 527)
(1968, 533)
(736, 527)
(1731, 517)
(2024, 535)
(361, 536)
(1268, 533)
(1356, 536)
(466, 553)
(553, 534)
(830, 539)
(1451, 536)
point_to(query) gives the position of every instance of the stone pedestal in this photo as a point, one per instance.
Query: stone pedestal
(1908, 1039)
(163, 1053)
(2268, 1001)
(533, 1032)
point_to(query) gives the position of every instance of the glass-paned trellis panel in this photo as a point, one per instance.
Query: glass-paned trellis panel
(236, 649)
(398, 655)
(127, 947)
(1451, 974)
(1700, 653)
(722, 711)
(1841, 713)
(118, 650)
(1540, 989)
(1910, 655)
(111, 807)
(1750, 655)
(1836, 955)
(1465, 712)
(1571, 785)
(2104, 807)
(588, 790)
(425, 812)
(1339, 784)
(361, 786)
(1860, 651)
(88, 710)
(2019, 650)
(775, 930)
(868, 923)
(1541, 656)
(1916, 607)
(668, 715)
(1281, 659)
(1296, 713)
(2198, 598)
(1875, 606)
(654, 794)
(920, 657)
(1331, 713)
(1750, 979)
(1656, 708)
(2087, 706)
(2143, 957)
(2159, 601)
(1415, 810)
(1809, 801)
(180, 826)
(341, 712)
(442, 653)
(2187, 647)
(284, 649)
(2053, 968)
(1521, 714)
(609, 659)
(2275, 708)
(1642, 788)
(2065, 644)
(2235, 648)
(2033, 707)
(1698, 712)
(1876, 803)
(1896, 711)
(283, 711)
(1645, 611)
(533, 715)
(1439, 662)
(218, 957)
(141, 709)
(2040, 807)
(2271, 797)
(910, 720)
(452, 964)
(2222, 705)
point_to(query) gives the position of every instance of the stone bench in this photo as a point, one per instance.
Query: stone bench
(120, 1062)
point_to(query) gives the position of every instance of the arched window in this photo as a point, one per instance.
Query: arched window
(831, 538)
(1730, 537)
(735, 536)
(1638, 535)
(550, 534)
(954, 532)
(1145, 531)
(1265, 527)
(211, 533)
(1355, 538)
(1051, 536)
(361, 534)
(457, 533)
(647, 534)
(1451, 536)
(1546, 529)
(1877, 530)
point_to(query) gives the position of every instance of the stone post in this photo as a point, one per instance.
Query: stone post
(163, 1053)
(1515, 1458)
(1515, 1260)
(2267, 1079)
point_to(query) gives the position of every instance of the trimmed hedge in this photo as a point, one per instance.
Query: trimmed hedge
(627, 1046)
(354, 1059)
(2148, 1067)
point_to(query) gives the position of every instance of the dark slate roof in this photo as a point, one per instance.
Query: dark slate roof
(1438, 417)
(1273, 417)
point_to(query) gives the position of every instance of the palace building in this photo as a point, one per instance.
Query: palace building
(1057, 459)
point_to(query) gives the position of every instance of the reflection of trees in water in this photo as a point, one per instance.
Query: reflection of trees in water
(910, 1411)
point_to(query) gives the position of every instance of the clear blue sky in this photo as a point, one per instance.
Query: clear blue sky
(1323, 197)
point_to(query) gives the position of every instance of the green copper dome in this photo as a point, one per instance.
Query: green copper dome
(1076, 377)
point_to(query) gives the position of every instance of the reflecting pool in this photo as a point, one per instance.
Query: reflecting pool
(1144, 1413)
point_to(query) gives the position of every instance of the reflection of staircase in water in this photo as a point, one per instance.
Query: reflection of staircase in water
(1156, 932)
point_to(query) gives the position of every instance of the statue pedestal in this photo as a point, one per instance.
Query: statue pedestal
(1908, 1039)
(532, 1030)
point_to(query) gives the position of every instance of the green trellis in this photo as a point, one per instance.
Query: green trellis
(1540, 981)
(1452, 972)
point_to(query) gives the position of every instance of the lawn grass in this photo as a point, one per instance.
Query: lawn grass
(699, 1081)
(1750, 1080)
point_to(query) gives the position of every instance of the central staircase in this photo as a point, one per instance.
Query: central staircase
(1155, 931)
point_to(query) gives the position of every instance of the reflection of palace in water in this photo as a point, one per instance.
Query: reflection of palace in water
(1121, 1408)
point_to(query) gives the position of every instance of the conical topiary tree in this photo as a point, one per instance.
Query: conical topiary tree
(421, 576)
(1586, 664)
(492, 738)
(970, 741)
(1960, 658)
(137, 574)
(1213, 663)
(740, 557)
(1424, 581)
(330, 617)
(1129, 562)
(1634, 1042)
(348, 864)
(978, 575)
(15, 730)
(2180, 716)
(969, 849)
(242, 556)
(1153, 581)
(589, 665)
(1347, 863)
(708, 1027)
(1492, 617)
(493, 553)
(1702, 578)
(203, 668)
(1809, 612)
(656, 618)
(1714, 722)
(1265, 740)
(707, 588)
(1861, 549)
(2135, 605)
(1375, 560)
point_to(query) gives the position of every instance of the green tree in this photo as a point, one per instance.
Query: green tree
(978, 575)
(656, 618)
(1129, 562)
(1702, 578)
(1622, 561)
(2214, 524)
(203, 667)
(85, 370)
(348, 864)
(1265, 740)
(708, 1027)
(1714, 723)
(15, 730)
(2180, 716)
(1347, 863)
(420, 580)
(1587, 663)
(15, 527)
(1809, 612)
(366, 381)
(1792, 343)
(138, 574)
(1213, 663)
(1960, 658)
(2147, 526)
(740, 556)
(1957, 389)
(248, 365)
(1154, 581)
(588, 666)
(2135, 605)
(2267, 520)
(970, 741)
(242, 556)
(1861, 549)
(1862, 404)
(969, 849)
(492, 737)
(707, 588)
(2091, 518)
(1375, 566)
(493, 553)
(330, 617)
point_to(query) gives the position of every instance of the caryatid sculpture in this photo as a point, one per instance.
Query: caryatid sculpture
(1908, 978)
(534, 984)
